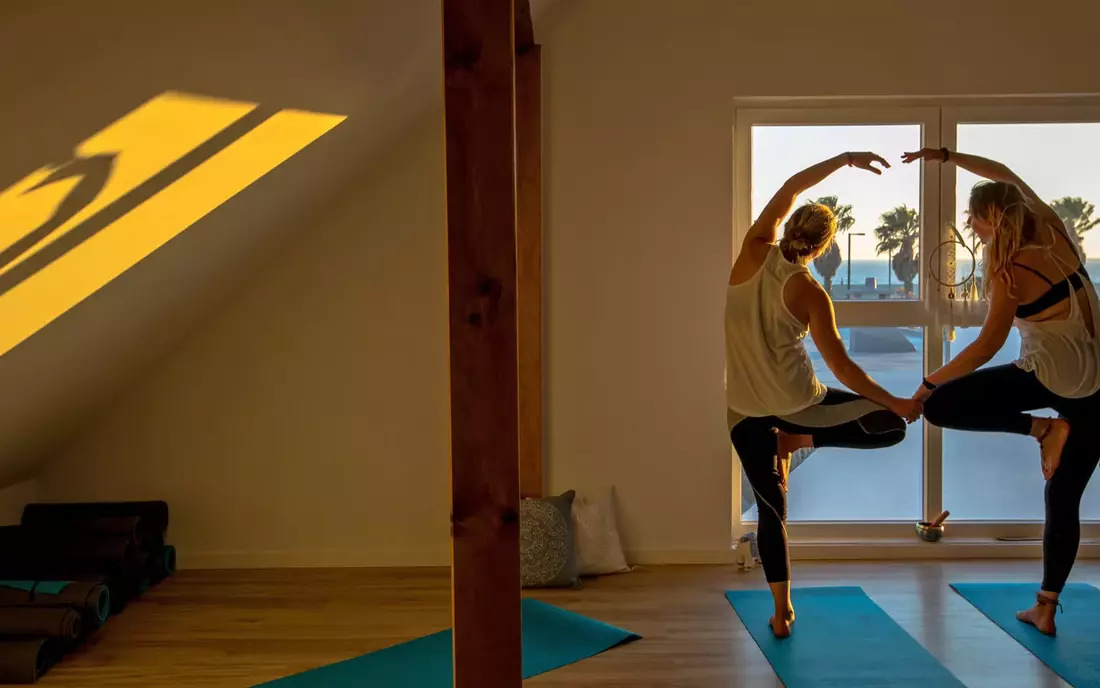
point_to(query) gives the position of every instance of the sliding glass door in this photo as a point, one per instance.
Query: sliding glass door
(905, 288)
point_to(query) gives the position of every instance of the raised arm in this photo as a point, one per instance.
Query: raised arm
(766, 227)
(994, 334)
(984, 167)
(827, 339)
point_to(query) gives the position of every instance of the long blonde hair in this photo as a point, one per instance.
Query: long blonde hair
(808, 232)
(1015, 224)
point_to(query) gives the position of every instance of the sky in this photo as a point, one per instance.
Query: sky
(1059, 159)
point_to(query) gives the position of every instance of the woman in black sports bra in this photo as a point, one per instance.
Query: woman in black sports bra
(1034, 278)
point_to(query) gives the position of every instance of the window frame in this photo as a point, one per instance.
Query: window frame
(939, 118)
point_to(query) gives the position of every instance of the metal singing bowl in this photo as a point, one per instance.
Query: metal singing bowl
(928, 532)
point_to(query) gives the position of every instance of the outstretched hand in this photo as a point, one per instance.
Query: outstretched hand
(932, 154)
(865, 160)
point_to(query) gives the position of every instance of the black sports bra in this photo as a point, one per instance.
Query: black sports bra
(1056, 294)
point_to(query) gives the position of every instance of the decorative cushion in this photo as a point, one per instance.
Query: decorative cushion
(599, 550)
(547, 549)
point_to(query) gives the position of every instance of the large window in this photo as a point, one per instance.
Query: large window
(995, 477)
(889, 275)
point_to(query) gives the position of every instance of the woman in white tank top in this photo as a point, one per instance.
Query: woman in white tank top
(775, 403)
(1034, 278)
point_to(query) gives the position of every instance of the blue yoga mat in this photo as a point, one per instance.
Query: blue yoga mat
(1073, 654)
(841, 638)
(552, 638)
(45, 587)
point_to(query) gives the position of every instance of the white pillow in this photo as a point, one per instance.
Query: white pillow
(596, 534)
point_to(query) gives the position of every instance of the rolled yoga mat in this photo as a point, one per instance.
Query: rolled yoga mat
(1072, 654)
(141, 533)
(91, 600)
(120, 591)
(32, 553)
(154, 515)
(552, 638)
(162, 563)
(23, 661)
(39, 622)
(840, 638)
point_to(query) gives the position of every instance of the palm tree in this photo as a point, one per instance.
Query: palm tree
(829, 262)
(1076, 213)
(906, 265)
(898, 233)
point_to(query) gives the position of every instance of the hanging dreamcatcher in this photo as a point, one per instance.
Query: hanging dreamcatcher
(965, 289)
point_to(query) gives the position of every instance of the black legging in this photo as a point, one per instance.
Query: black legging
(842, 419)
(995, 400)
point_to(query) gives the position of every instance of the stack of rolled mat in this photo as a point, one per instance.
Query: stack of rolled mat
(65, 569)
(41, 620)
(120, 543)
(92, 601)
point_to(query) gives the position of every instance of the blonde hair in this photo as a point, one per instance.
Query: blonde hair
(808, 232)
(1015, 224)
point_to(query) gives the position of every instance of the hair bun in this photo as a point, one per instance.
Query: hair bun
(796, 247)
(809, 229)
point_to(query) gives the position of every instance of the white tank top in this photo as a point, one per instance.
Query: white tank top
(768, 371)
(1062, 353)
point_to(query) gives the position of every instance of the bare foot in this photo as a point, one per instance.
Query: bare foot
(1041, 616)
(781, 628)
(1051, 443)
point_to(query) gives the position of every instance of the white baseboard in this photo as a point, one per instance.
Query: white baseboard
(901, 550)
(659, 557)
(412, 558)
(881, 550)
(800, 551)
(320, 558)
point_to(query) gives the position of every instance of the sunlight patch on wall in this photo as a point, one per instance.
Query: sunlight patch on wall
(69, 228)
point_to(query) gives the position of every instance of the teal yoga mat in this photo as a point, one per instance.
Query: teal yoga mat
(841, 639)
(552, 638)
(1073, 654)
(46, 587)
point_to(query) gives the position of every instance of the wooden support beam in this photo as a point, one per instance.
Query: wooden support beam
(525, 29)
(529, 257)
(479, 66)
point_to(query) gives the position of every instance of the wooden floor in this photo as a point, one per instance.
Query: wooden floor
(241, 628)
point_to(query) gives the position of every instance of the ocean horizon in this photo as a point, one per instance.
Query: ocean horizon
(884, 275)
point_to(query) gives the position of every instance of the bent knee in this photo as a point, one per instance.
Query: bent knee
(937, 408)
(885, 423)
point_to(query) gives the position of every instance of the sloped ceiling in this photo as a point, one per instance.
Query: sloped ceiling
(71, 68)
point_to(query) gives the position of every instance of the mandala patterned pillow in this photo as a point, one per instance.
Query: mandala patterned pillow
(547, 555)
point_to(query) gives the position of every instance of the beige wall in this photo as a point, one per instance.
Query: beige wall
(12, 500)
(319, 396)
(307, 423)
(375, 61)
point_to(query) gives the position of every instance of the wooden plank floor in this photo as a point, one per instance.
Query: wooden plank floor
(240, 628)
